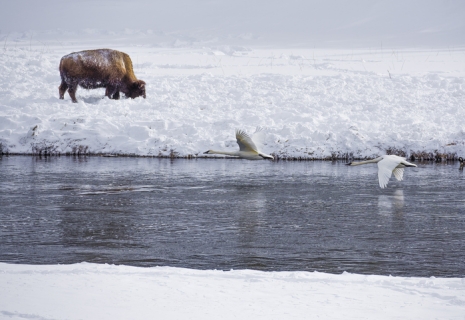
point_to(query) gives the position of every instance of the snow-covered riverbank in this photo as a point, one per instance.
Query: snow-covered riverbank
(91, 291)
(326, 79)
(314, 103)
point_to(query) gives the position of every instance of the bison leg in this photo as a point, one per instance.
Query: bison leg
(108, 92)
(62, 89)
(72, 92)
(112, 92)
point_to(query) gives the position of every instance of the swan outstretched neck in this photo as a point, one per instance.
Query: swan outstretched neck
(365, 162)
(249, 146)
(387, 165)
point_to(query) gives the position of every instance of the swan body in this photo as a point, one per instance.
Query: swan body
(249, 146)
(387, 165)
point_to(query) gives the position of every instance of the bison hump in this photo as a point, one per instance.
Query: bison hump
(107, 62)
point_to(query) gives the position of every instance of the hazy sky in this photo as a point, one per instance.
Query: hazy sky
(441, 21)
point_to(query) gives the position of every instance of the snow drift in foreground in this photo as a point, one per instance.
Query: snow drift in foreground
(314, 104)
(93, 291)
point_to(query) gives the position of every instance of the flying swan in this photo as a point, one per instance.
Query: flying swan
(249, 146)
(387, 165)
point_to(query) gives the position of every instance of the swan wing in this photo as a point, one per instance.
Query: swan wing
(245, 142)
(383, 177)
(258, 138)
(398, 173)
(385, 169)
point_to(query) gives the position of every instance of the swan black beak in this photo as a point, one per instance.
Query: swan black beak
(207, 152)
(348, 164)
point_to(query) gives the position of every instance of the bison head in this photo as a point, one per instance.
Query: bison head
(137, 89)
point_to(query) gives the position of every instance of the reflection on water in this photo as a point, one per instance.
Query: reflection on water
(391, 204)
(227, 214)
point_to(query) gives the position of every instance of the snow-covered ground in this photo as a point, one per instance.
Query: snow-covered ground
(314, 103)
(90, 291)
(341, 80)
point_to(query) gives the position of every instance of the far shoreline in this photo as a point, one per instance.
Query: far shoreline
(435, 159)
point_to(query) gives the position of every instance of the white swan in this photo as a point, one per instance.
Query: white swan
(249, 146)
(387, 165)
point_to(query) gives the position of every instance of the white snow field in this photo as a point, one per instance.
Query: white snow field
(92, 291)
(314, 103)
(326, 79)
(344, 81)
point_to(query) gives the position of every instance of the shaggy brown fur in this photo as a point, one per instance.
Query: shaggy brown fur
(102, 68)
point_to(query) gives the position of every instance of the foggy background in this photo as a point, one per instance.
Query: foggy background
(306, 23)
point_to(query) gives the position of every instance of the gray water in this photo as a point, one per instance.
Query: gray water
(232, 214)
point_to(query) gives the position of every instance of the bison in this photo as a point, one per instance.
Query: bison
(102, 68)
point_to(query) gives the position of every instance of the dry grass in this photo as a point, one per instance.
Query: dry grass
(44, 149)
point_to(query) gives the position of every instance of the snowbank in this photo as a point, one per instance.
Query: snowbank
(92, 291)
(314, 104)
(326, 79)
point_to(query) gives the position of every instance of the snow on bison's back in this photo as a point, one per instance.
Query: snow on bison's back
(102, 68)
